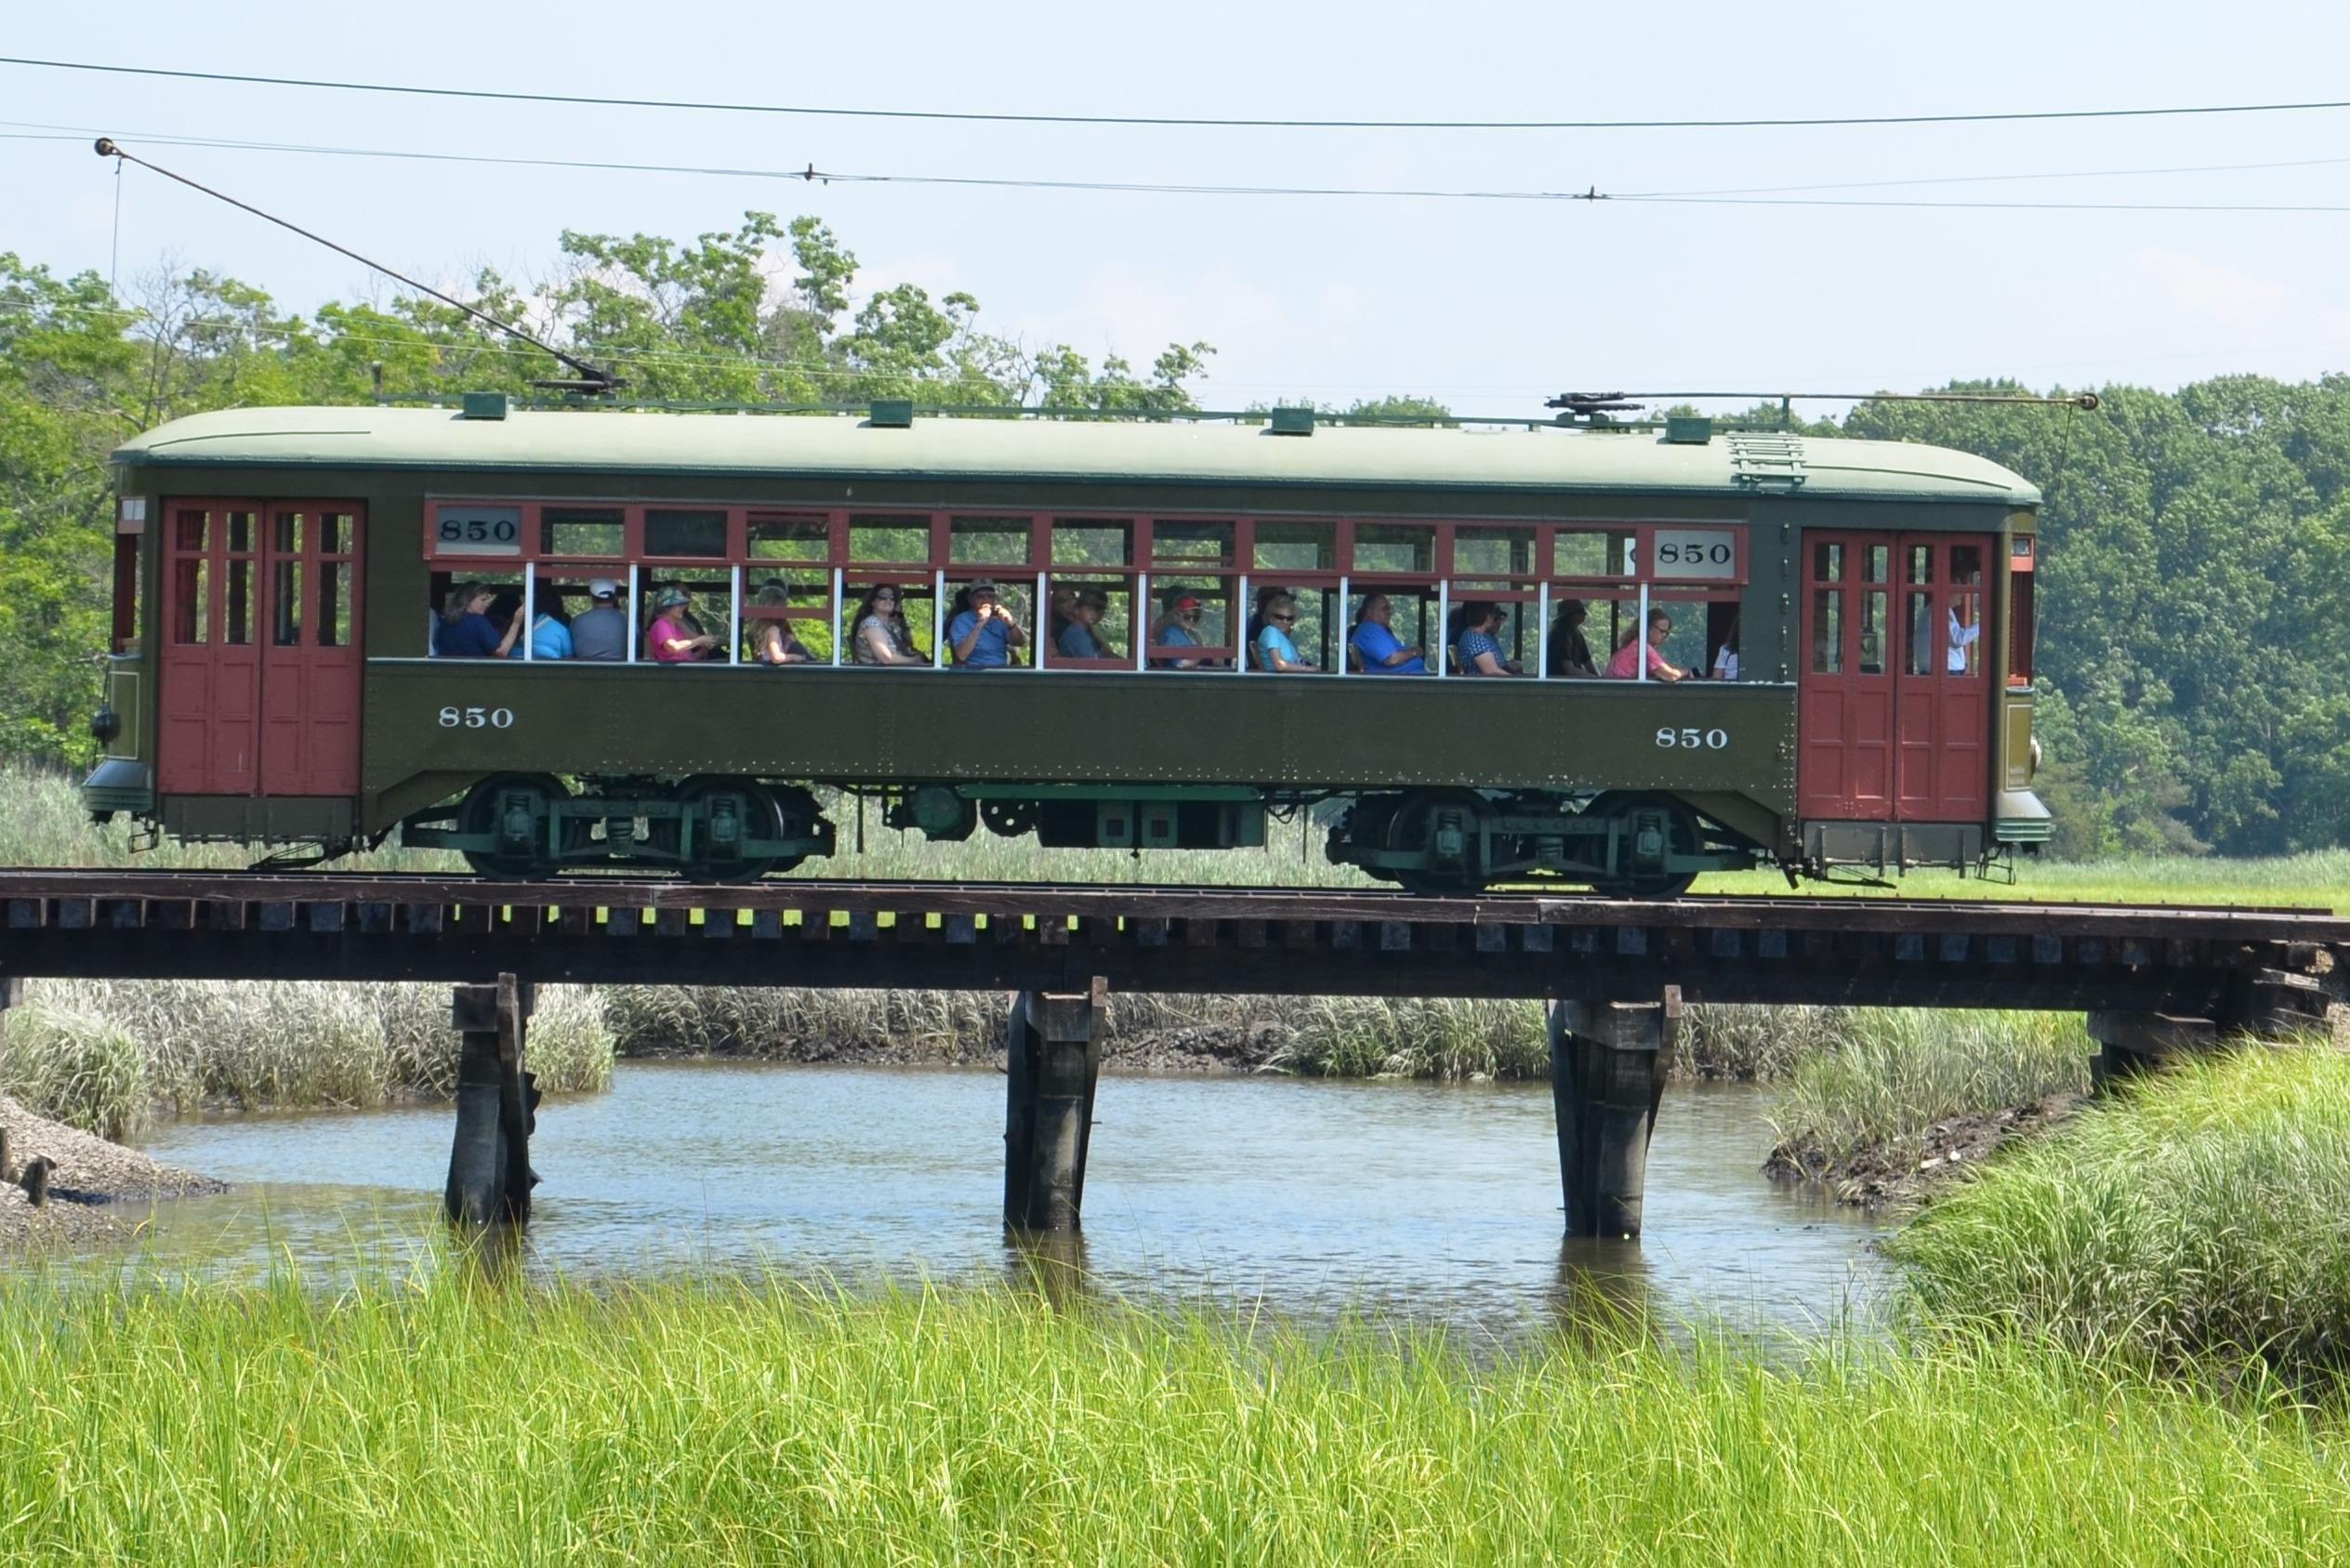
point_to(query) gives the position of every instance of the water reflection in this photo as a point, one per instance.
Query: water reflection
(1316, 1199)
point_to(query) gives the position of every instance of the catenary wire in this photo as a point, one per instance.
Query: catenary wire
(1191, 120)
(1590, 195)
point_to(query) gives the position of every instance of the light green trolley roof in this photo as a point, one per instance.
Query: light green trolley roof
(624, 442)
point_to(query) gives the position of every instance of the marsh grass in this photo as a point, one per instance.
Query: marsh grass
(104, 1057)
(1879, 1077)
(2202, 1212)
(439, 1419)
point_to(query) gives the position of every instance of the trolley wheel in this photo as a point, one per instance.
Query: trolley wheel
(479, 812)
(761, 815)
(1413, 826)
(1681, 830)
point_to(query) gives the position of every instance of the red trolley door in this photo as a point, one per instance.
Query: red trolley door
(1894, 704)
(259, 684)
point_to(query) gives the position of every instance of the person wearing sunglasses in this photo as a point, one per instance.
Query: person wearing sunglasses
(882, 637)
(1177, 626)
(1277, 652)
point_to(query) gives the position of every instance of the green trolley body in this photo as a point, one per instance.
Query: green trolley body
(280, 686)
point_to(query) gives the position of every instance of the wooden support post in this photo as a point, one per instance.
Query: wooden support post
(1608, 1065)
(1052, 1056)
(2131, 1045)
(490, 1175)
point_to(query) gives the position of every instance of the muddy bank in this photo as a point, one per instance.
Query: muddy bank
(1906, 1174)
(1207, 1048)
(96, 1189)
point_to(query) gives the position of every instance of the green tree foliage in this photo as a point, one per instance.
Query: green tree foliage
(718, 320)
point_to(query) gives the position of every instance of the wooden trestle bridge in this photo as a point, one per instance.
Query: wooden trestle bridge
(2154, 979)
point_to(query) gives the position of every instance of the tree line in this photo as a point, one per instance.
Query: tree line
(2194, 680)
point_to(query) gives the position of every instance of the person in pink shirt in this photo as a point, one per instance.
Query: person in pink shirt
(675, 637)
(1625, 665)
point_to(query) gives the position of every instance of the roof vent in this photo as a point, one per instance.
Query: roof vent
(484, 405)
(891, 414)
(1293, 421)
(1688, 429)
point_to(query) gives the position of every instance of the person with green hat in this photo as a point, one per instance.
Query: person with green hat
(676, 638)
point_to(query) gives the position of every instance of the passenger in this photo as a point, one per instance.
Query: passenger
(550, 629)
(772, 643)
(1570, 652)
(1177, 626)
(1963, 638)
(1725, 658)
(504, 608)
(882, 635)
(1479, 649)
(1625, 665)
(601, 631)
(1276, 654)
(1082, 637)
(1376, 644)
(983, 633)
(675, 637)
(464, 631)
(1060, 609)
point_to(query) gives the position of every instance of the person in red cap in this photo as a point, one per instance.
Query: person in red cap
(1177, 626)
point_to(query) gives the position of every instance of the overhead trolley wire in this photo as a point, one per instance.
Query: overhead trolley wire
(815, 175)
(1182, 120)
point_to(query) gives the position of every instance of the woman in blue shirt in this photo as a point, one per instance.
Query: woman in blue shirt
(1277, 654)
(1376, 644)
(465, 630)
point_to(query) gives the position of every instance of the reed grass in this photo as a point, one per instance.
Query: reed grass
(105, 1056)
(434, 1418)
(2203, 1212)
(1881, 1077)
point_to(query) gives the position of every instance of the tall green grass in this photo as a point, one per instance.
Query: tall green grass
(2203, 1212)
(437, 1419)
(1885, 1076)
(105, 1057)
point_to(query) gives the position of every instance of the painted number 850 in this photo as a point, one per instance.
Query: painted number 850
(1693, 738)
(477, 718)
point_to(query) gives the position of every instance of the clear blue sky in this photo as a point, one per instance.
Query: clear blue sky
(1487, 306)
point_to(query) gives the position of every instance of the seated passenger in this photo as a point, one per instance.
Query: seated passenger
(1082, 637)
(772, 643)
(675, 637)
(1376, 644)
(1570, 652)
(881, 635)
(1276, 654)
(550, 629)
(1625, 665)
(1177, 626)
(982, 632)
(1725, 658)
(1479, 649)
(601, 631)
(466, 631)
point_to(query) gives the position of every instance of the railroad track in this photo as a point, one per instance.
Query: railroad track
(27, 891)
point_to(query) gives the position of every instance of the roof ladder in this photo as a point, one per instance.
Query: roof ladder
(1767, 460)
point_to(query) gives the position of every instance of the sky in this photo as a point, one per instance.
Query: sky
(1489, 306)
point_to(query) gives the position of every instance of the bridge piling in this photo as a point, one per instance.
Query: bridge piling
(1608, 1065)
(490, 1175)
(1052, 1059)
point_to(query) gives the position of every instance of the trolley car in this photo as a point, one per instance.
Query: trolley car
(278, 573)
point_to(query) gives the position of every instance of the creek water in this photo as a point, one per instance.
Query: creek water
(1434, 1203)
